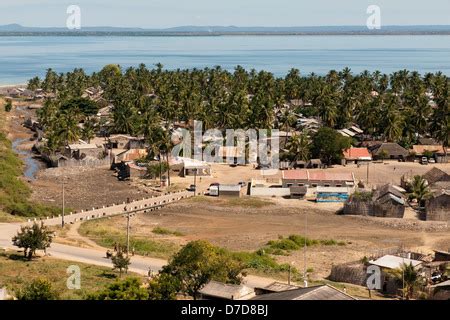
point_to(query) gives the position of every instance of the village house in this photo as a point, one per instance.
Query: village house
(437, 179)
(310, 124)
(93, 93)
(387, 201)
(437, 208)
(80, 151)
(438, 152)
(105, 112)
(316, 178)
(275, 287)
(440, 255)
(427, 141)
(125, 142)
(351, 132)
(392, 151)
(441, 291)
(192, 167)
(228, 190)
(119, 155)
(388, 263)
(268, 188)
(221, 291)
(356, 155)
(321, 292)
(323, 185)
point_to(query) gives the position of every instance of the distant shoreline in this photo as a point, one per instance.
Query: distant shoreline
(216, 34)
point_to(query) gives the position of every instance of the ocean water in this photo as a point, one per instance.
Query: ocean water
(22, 58)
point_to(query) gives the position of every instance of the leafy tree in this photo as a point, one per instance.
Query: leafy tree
(39, 289)
(428, 154)
(199, 262)
(383, 154)
(127, 289)
(82, 105)
(34, 83)
(328, 144)
(120, 262)
(155, 170)
(36, 237)
(164, 287)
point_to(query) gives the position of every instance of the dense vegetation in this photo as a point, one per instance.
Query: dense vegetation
(399, 107)
(14, 192)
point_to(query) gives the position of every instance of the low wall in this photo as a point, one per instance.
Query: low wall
(270, 192)
(146, 205)
(373, 209)
(84, 163)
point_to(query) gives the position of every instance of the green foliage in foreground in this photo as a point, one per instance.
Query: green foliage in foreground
(38, 289)
(127, 289)
(198, 263)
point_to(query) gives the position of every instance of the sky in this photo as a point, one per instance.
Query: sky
(170, 13)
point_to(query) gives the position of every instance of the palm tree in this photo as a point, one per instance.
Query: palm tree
(299, 147)
(419, 190)
(409, 278)
(88, 130)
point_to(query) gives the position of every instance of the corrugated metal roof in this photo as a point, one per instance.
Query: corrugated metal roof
(227, 291)
(394, 262)
(323, 292)
(313, 175)
(82, 146)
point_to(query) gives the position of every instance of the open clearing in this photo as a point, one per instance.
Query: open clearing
(249, 226)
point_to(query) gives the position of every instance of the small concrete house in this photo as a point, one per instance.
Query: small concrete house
(81, 151)
(356, 155)
(126, 142)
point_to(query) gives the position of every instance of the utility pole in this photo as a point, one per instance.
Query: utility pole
(305, 281)
(63, 204)
(195, 181)
(128, 227)
(368, 163)
(289, 277)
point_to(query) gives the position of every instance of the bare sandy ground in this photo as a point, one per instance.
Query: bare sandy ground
(248, 229)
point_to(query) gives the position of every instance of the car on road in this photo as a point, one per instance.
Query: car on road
(424, 161)
(431, 160)
(192, 188)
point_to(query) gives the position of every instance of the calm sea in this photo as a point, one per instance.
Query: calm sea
(24, 57)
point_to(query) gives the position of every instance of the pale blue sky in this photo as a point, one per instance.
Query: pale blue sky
(168, 13)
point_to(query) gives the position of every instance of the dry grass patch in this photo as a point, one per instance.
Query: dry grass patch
(16, 272)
